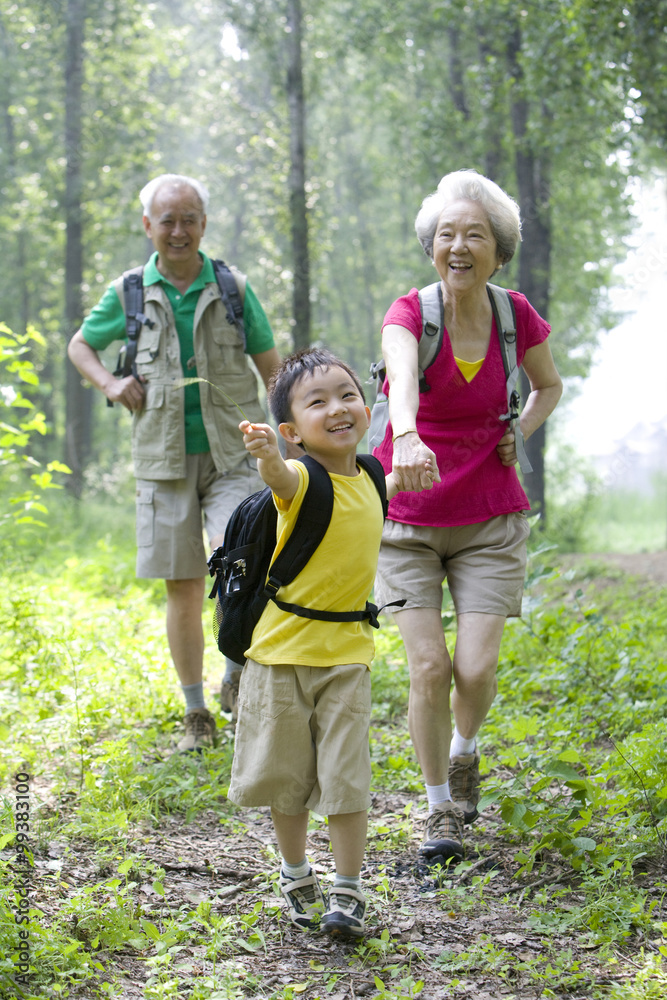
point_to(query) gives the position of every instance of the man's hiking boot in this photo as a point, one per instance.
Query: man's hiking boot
(199, 731)
(443, 839)
(344, 916)
(305, 902)
(229, 697)
(464, 784)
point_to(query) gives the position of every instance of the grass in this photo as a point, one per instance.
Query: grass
(576, 780)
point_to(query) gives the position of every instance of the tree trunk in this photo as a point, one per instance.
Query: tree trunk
(297, 178)
(78, 399)
(17, 315)
(532, 173)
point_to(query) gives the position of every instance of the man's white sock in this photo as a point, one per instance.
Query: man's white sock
(194, 696)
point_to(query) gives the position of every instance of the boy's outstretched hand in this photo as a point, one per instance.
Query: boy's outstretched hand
(259, 439)
(261, 442)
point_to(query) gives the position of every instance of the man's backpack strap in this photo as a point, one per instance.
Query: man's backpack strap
(133, 295)
(505, 317)
(133, 306)
(231, 297)
(433, 329)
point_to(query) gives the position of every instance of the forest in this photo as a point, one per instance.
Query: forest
(318, 127)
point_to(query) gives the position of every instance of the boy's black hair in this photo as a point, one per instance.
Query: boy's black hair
(293, 369)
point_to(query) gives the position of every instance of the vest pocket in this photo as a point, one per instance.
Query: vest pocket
(149, 425)
(148, 346)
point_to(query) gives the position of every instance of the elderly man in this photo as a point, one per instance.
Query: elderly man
(189, 459)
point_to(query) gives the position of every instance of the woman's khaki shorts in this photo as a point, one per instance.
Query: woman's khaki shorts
(302, 739)
(172, 513)
(484, 565)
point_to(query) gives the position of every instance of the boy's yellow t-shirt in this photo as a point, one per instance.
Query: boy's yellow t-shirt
(338, 577)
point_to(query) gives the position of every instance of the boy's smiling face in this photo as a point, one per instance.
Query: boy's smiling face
(329, 416)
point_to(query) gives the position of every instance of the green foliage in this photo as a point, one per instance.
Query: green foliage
(604, 680)
(22, 478)
(564, 669)
(650, 982)
(613, 909)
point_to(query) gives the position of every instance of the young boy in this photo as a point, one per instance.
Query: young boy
(304, 699)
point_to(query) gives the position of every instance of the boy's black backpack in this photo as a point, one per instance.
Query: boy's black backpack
(243, 584)
(433, 329)
(133, 294)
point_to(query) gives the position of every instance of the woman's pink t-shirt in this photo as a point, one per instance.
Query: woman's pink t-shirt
(460, 422)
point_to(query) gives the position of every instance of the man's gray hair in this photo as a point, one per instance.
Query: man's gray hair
(469, 185)
(149, 191)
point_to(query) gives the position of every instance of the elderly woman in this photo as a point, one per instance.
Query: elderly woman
(471, 527)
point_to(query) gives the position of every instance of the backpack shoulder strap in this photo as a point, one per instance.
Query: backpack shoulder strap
(132, 301)
(133, 296)
(373, 467)
(430, 342)
(305, 545)
(433, 329)
(505, 317)
(231, 297)
(310, 528)
(503, 311)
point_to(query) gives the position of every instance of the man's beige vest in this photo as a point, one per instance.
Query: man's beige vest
(158, 431)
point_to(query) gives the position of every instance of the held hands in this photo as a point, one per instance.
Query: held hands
(506, 449)
(426, 480)
(415, 466)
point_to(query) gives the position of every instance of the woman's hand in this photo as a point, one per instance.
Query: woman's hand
(506, 449)
(415, 467)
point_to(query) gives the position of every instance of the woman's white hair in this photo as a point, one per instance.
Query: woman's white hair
(502, 211)
(148, 192)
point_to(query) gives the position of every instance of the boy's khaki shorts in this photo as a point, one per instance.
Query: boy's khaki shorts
(484, 565)
(302, 739)
(170, 512)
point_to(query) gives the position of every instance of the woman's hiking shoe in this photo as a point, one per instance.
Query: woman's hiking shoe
(305, 902)
(345, 913)
(199, 731)
(443, 840)
(464, 784)
(229, 698)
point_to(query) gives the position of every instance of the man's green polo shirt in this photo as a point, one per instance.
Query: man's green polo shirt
(106, 323)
